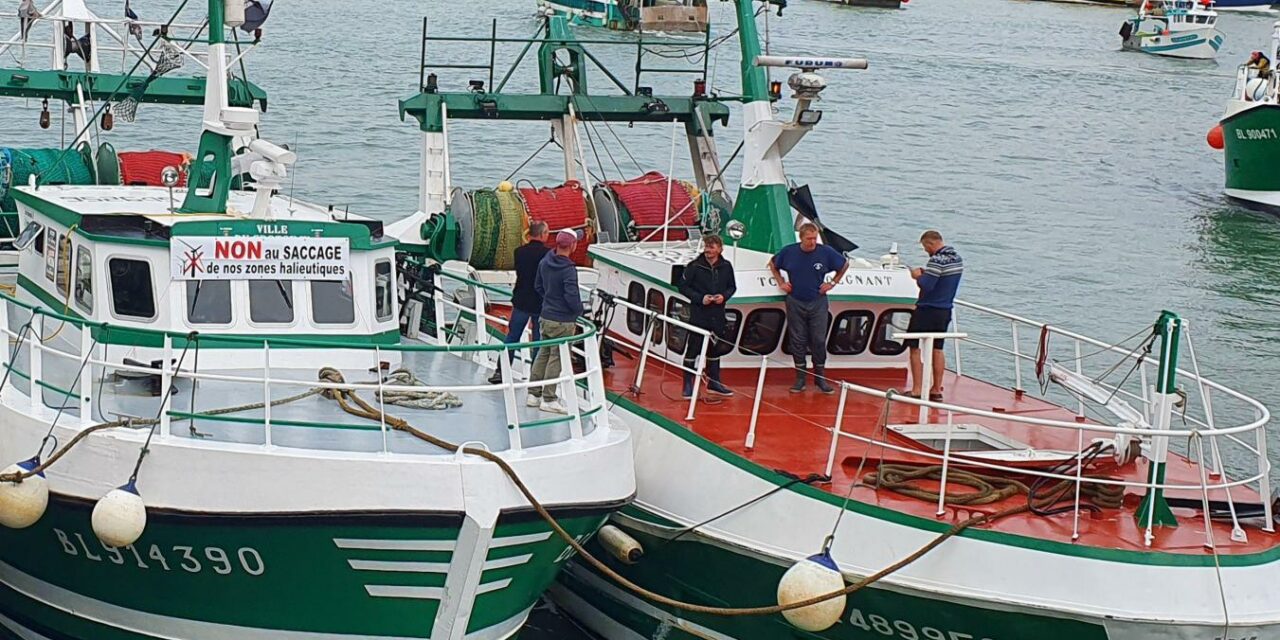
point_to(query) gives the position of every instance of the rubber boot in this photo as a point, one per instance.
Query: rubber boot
(798, 387)
(713, 383)
(687, 392)
(820, 380)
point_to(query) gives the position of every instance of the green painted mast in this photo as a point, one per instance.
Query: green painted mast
(209, 182)
(1154, 509)
(763, 203)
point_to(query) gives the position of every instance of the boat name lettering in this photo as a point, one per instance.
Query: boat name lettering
(273, 229)
(858, 279)
(246, 560)
(905, 630)
(1256, 134)
(812, 63)
(260, 258)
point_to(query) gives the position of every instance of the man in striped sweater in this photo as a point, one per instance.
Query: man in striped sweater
(938, 282)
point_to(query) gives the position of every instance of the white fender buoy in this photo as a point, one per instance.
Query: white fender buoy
(1256, 89)
(120, 517)
(620, 545)
(812, 577)
(23, 503)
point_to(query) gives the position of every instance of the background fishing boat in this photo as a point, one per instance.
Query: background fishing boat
(1174, 28)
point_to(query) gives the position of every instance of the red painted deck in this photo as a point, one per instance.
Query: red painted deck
(793, 435)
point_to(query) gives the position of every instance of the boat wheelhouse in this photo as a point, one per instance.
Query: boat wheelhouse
(225, 396)
(1051, 453)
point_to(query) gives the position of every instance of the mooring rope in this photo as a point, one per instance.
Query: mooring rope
(350, 402)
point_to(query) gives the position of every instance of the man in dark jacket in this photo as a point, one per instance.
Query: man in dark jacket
(526, 305)
(557, 285)
(708, 282)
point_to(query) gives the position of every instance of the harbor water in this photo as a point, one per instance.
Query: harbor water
(1074, 177)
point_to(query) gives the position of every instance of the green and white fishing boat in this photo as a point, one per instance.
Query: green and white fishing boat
(667, 16)
(1249, 134)
(243, 415)
(1127, 496)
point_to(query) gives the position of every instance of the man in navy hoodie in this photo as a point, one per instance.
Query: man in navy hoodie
(557, 285)
(938, 282)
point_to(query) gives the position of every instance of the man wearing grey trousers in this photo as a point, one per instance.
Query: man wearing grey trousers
(807, 264)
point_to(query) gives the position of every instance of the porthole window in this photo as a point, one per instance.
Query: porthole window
(762, 331)
(209, 302)
(656, 304)
(677, 337)
(891, 322)
(635, 319)
(383, 291)
(332, 302)
(850, 333)
(271, 301)
(724, 346)
(132, 294)
(84, 279)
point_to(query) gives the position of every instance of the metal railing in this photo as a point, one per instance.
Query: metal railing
(698, 50)
(1200, 428)
(653, 321)
(1204, 427)
(107, 35)
(583, 392)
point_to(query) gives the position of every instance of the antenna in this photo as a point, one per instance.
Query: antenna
(293, 181)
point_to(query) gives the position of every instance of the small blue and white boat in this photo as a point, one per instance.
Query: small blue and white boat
(1174, 28)
(1258, 6)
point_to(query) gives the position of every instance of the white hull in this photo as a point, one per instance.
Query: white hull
(1269, 200)
(1131, 599)
(1194, 44)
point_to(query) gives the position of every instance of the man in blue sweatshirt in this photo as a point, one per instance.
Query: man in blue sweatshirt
(938, 282)
(807, 265)
(557, 285)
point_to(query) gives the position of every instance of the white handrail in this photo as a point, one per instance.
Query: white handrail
(596, 400)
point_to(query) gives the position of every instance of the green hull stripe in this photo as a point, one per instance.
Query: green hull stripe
(1049, 546)
(313, 569)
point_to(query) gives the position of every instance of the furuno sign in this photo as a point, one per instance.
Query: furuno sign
(260, 258)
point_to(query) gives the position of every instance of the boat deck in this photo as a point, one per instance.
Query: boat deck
(314, 422)
(793, 435)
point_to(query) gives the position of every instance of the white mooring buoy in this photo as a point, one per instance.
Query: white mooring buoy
(120, 517)
(814, 576)
(22, 504)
